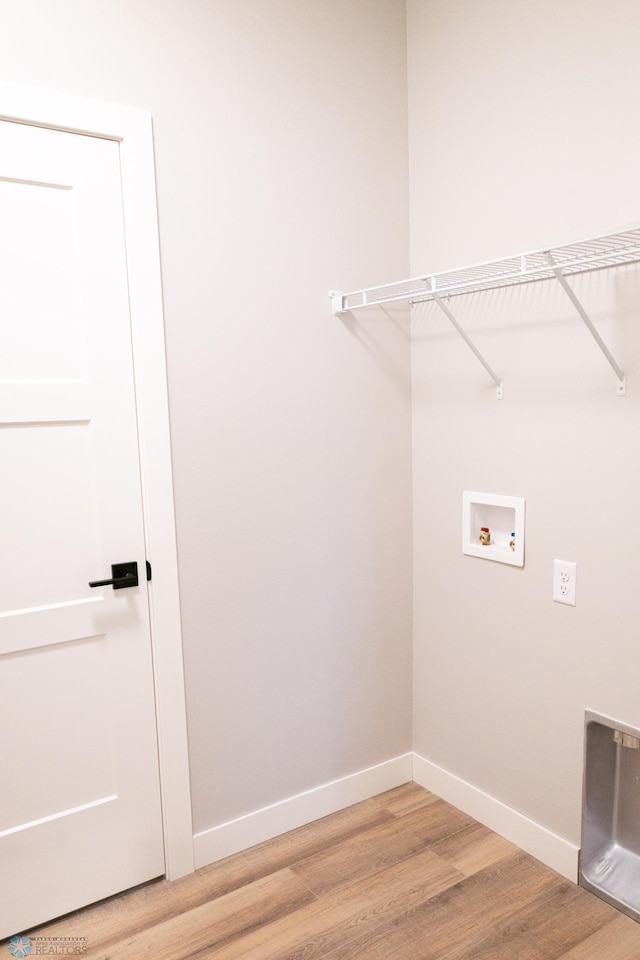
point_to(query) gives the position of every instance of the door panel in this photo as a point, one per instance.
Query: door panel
(80, 814)
(61, 453)
(39, 227)
(46, 758)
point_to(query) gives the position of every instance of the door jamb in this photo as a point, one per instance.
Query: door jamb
(133, 130)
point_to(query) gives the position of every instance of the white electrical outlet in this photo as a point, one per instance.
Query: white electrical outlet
(564, 582)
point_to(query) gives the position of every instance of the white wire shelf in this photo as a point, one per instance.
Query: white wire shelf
(614, 249)
(560, 262)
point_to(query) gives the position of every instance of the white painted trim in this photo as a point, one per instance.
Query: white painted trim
(264, 824)
(271, 821)
(132, 128)
(554, 851)
(145, 297)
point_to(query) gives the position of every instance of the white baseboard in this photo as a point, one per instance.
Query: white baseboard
(236, 835)
(530, 836)
(243, 832)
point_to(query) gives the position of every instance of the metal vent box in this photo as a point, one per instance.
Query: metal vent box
(610, 846)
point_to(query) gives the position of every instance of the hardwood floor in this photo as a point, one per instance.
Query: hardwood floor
(403, 876)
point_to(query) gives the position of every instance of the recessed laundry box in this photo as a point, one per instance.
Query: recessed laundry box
(493, 527)
(610, 849)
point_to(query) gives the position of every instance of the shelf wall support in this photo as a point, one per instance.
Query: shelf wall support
(621, 389)
(445, 309)
(337, 302)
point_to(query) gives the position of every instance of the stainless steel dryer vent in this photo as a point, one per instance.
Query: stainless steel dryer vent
(610, 851)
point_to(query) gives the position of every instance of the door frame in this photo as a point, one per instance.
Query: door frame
(132, 128)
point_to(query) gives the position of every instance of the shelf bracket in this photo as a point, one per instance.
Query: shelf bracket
(337, 302)
(445, 309)
(621, 388)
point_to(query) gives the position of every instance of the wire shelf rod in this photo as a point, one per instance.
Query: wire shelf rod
(579, 257)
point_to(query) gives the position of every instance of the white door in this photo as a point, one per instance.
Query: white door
(80, 815)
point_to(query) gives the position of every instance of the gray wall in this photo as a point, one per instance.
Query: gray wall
(523, 133)
(281, 153)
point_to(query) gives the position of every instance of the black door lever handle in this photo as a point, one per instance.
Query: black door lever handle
(122, 575)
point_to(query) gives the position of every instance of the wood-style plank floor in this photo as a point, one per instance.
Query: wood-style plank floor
(403, 876)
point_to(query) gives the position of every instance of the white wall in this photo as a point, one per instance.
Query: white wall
(523, 133)
(281, 151)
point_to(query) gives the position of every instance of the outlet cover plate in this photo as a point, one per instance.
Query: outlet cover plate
(564, 582)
